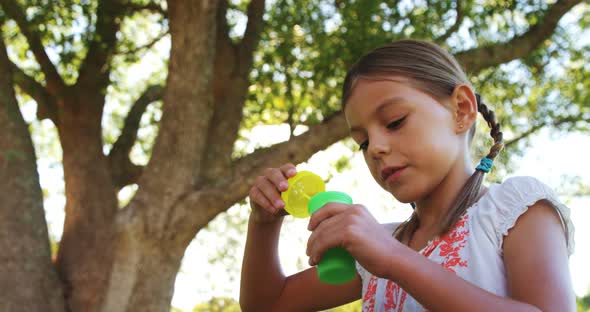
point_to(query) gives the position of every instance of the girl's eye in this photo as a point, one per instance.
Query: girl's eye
(393, 125)
(363, 146)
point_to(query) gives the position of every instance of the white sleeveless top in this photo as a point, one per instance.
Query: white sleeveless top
(473, 248)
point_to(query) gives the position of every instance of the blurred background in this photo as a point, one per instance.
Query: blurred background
(102, 88)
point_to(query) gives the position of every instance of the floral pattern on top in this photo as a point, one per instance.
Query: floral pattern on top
(449, 246)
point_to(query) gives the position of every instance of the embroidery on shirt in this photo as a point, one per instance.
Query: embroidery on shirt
(449, 244)
(395, 297)
(369, 299)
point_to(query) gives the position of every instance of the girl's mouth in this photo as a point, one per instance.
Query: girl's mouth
(391, 174)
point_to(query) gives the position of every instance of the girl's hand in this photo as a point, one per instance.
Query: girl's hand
(353, 228)
(265, 194)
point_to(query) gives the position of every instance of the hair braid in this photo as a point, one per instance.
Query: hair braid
(490, 118)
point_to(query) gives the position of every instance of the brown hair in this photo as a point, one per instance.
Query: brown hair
(434, 71)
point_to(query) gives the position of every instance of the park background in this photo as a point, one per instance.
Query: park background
(149, 120)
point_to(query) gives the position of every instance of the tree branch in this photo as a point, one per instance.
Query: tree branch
(251, 35)
(222, 27)
(455, 27)
(123, 171)
(554, 123)
(187, 110)
(223, 129)
(55, 84)
(230, 89)
(148, 45)
(476, 59)
(95, 69)
(46, 103)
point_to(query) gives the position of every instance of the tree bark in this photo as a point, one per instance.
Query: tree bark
(85, 254)
(28, 280)
(145, 268)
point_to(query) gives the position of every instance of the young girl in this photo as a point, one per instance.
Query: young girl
(466, 247)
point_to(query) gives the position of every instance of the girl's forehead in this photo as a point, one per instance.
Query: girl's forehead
(367, 95)
(366, 88)
(376, 80)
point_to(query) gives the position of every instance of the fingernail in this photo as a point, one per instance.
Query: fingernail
(291, 172)
(279, 204)
(283, 186)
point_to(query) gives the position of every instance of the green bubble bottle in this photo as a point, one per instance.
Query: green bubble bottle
(306, 194)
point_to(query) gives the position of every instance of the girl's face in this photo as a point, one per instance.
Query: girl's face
(396, 124)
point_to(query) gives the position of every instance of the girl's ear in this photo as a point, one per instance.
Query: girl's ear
(464, 106)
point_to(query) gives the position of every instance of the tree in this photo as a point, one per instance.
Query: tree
(287, 67)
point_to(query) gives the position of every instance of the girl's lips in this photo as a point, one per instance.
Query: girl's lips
(395, 175)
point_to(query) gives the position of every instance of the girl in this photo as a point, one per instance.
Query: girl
(466, 247)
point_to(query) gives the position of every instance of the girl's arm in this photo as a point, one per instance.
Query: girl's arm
(264, 287)
(262, 278)
(536, 263)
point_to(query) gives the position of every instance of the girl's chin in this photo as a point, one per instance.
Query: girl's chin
(403, 200)
(404, 195)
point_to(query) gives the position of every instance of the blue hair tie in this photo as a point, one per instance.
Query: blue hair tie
(485, 165)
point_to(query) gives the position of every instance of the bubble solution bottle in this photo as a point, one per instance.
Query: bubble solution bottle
(306, 194)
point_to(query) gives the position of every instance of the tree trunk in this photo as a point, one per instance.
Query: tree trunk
(149, 248)
(28, 278)
(85, 253)
(144, 272)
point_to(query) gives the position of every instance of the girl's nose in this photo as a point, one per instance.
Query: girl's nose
(378, 148)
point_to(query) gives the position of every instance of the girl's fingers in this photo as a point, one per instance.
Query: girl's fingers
(289, 170)
(260, 199)
(327, 211)
(265, 193)
(271, 193)
(328, 234)
(277, 178)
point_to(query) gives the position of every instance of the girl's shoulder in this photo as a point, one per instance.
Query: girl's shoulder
(499, 209)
